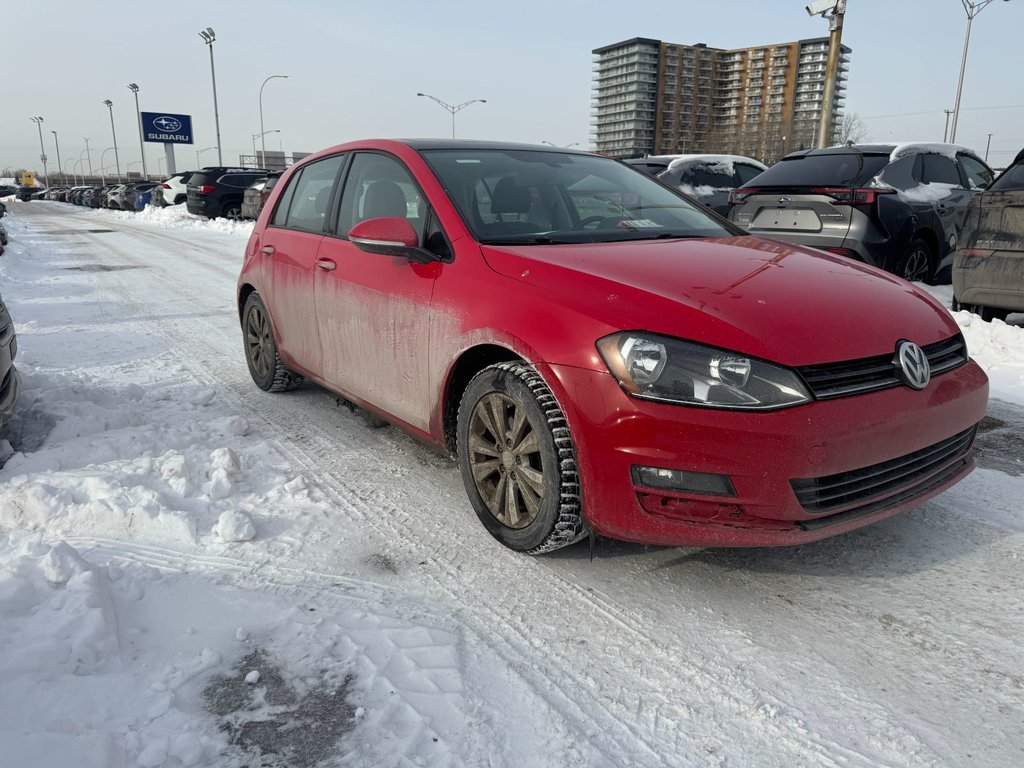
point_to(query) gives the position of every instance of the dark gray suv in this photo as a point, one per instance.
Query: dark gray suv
(9, 381)
(897, 207)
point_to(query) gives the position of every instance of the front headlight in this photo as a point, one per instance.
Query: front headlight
(656, 367)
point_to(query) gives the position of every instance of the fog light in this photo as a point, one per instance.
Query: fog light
(683, 481)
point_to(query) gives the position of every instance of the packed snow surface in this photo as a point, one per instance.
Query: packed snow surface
(197, 573)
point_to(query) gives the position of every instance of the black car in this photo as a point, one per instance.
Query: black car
(9, 381)
(25, 193)
(7, 189)
(214, 192)
(899, 207)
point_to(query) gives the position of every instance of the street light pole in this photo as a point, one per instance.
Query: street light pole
(989, 144)
(453, 108)
(117, 160)
(199, 152)
(208, 37)
(60, 167)
(835, 13)
(103, 177)
(260, 136)
(263, 133)
(134, 88)
(945, 133)
(88, 154)
(42, 150)
(972, 8)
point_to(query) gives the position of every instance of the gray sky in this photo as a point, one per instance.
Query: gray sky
(356, 67)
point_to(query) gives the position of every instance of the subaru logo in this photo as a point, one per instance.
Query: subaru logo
(785, 200)
(167, 124)
(912, 364)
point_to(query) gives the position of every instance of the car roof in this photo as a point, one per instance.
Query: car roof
(895, 150)
(421, 144)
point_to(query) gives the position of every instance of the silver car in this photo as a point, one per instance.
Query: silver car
(897, 207)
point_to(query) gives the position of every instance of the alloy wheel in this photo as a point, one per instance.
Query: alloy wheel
(258, 343)
(917, 265)
(506, 461)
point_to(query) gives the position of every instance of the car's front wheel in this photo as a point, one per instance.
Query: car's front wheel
(518, 460)
(265, 365)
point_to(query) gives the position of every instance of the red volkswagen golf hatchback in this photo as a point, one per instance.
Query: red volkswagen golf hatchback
(600, 353)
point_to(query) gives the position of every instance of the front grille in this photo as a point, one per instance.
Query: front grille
(819, 495)
(870, 374)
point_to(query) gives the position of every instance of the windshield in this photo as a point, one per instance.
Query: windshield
(1012, 178)
(832, 169)
(539, 197)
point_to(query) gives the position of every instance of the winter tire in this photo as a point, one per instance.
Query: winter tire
(265, 366)
(231, 211)
(518, 461)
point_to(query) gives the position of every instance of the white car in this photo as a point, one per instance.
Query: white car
(174, 187)
(708, 178)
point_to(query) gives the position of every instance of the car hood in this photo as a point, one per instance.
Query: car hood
(764, 298)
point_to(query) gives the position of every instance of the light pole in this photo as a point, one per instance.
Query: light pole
(260, 137)
(42, 150)
(987, 146)
(64, 171)
(453, 108)
(264, 133)
(117, 160)
(208, 37)
(103, 167)
(834, 11)
(88, 154)
(973, 8)
(74, 169)
(945, 132)
(134, 88)
(80, 160)
(200, 151)
(128, 170)
(60, 167)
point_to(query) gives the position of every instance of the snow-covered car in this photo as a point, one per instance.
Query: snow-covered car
(710, 178)
(252, 199)
(899, 207)
(988, 268)
(9, 381)
(114, 197)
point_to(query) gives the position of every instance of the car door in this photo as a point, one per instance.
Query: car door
(290, 245)
(373, 311)
(945, 189)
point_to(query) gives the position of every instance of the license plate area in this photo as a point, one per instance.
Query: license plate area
(790, 219)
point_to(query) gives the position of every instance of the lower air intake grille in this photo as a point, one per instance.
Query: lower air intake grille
(819, 495)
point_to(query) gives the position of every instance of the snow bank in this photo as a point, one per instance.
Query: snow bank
(178, 217)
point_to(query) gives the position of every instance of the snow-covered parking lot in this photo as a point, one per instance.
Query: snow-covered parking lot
(196, 573)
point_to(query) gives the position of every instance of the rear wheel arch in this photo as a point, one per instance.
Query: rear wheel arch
(468, 365)
(243, 296)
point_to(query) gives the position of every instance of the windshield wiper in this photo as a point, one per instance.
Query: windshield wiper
(534, 240)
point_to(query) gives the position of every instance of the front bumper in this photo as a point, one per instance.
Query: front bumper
(761, 453)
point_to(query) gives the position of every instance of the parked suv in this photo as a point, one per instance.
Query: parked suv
(214, 192)
(174, 188)
(988, 269)
(9, 381)
(708, 178)
(897, 207)
(602, 354)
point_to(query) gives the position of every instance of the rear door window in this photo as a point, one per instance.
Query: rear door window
(833, 169)
(939, 169)
(309, 195)
(745, 173)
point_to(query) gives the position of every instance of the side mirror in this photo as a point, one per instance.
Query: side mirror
(389, 237)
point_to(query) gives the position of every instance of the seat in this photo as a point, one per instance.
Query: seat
(384, 199)
(510, 198)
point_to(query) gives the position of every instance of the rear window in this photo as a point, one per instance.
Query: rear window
(1012, 178)
(853, 169)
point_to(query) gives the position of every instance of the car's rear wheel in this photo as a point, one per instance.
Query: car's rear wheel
(265, 365)
(518, 461)
(988, 314)
(917, 264)
(231, 211)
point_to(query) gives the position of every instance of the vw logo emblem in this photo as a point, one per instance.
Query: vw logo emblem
(167, 124)
(785, 200)
(912, 363)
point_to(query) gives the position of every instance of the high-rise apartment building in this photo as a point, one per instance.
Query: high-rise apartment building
(653, 98)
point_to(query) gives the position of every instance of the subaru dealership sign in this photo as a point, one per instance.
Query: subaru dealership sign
(166, 128)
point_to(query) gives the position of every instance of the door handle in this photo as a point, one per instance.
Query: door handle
(269, 250)
(327, 264)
